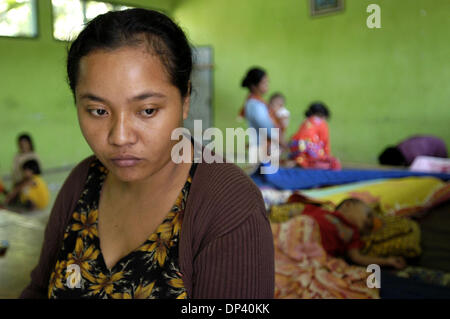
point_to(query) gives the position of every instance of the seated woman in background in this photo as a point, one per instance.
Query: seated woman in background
(31, 192)
(310, 146)
(25, 153)
(137, 222)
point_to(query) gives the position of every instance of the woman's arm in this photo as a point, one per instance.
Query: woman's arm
(226, 244)
(238, 264)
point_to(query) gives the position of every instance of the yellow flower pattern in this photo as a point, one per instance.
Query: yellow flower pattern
(87, 224)
(149, 272)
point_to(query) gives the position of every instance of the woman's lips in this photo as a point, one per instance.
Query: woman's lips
(125, 161)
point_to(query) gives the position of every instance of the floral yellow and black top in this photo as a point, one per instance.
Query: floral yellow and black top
(151, 271)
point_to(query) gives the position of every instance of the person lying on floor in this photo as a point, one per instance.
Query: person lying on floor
(405, 152)
(341, 230)
(32, 191)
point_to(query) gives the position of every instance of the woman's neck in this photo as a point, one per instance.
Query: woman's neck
(256, 92)
(257, 96)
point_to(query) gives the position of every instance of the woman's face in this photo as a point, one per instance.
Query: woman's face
(24, 146)
(264, 85)
(127, 109)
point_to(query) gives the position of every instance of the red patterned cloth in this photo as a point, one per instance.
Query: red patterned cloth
(310, 146)
(338, 235)
(303, 269)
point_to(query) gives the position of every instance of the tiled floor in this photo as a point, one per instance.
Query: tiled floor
(25, 234)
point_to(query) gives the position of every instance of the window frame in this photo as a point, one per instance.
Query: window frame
(83, 5)
(36, 21)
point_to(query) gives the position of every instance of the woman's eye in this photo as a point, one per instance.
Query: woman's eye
(98, 112)
(148, 112)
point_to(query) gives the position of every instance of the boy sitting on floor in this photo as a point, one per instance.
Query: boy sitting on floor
(341, 229)
(32, 191)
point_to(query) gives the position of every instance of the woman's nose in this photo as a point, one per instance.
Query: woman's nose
(122, 131)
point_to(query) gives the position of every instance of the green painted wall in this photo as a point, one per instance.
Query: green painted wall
(34, 96)
(381, 85)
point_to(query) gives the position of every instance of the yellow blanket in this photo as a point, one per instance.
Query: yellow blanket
(400, 196)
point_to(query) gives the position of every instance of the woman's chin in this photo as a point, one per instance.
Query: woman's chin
(133, 173)
(127, 175)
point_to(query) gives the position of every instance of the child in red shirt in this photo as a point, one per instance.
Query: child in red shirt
(310, 146)
(340, 231)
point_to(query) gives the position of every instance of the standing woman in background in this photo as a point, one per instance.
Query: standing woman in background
(130, 222)
(25, 153)
(310, 146)
(255, 109)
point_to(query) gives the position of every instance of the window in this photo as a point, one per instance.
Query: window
(70, 16)
(18, 18)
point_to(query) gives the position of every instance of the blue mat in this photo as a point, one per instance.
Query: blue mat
(298, 178)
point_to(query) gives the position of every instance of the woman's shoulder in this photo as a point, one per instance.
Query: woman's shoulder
(223, 196)
(225, 177)
(253, 102)
(26, 156)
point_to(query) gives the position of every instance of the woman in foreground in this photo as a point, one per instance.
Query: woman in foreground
(129, 222)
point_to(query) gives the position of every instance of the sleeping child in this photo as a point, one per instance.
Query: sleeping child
(32, 191)
(341, 229)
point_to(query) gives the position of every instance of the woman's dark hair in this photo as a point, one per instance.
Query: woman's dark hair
(318, 109)
(392, 156)
(32, 165)
(253, 77)
(134, 27)
(26, 137)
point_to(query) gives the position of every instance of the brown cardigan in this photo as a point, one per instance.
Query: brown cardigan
(226, 246)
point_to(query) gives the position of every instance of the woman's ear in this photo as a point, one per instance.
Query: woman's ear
(186, 106)
(187, 102)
